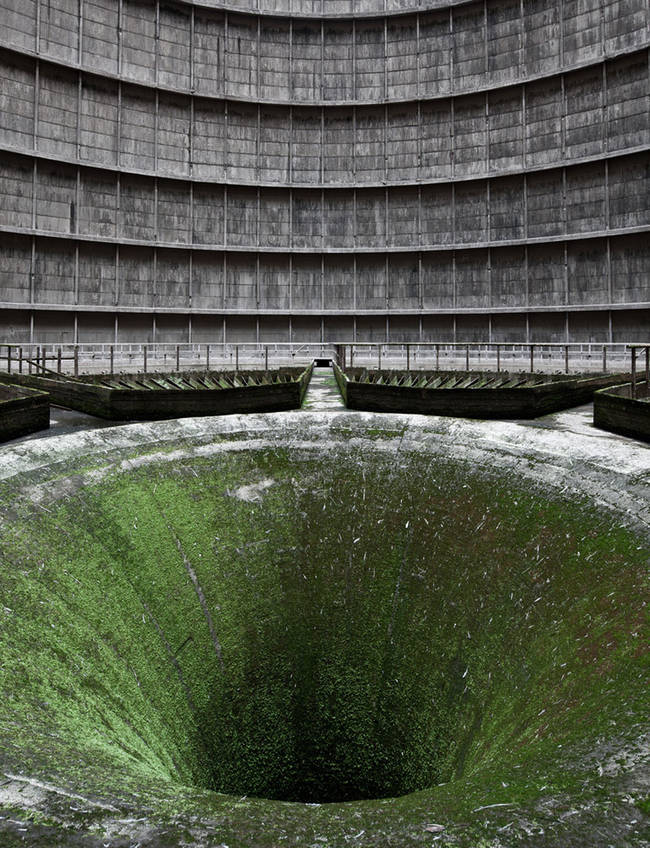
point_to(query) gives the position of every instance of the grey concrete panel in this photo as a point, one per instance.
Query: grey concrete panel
(97, 275)
(630, 258)
(17, 95)
(100, 36)
(274, 285)
(338, 46)
(134, 328)
(174, 212)
(15, 326)
(542, 29)
(57, 114)
(54, 327)
(587, 273)
(54, 275)
(207, 281)
(509, 328)
(472, 279)
(19, 22)
(438, 290)
(629, 189)
(173, 135)
(585, 199)
(56, 194)
(546, 275)
(16, 190)
(174, 49)
(544, 203)
(507, 209)
(137, 213)
(98, 204)
(15, 269)
(138, 40)
(98, 122)
(59, 29)
(403, 283)
(172, 280)
(508, 278)
(630, 326)
(137, 279)
(547, 327)
(138, 129)
(338, 282)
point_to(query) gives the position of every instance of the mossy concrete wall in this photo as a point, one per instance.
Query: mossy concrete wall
(551, 394)
(269, 606)
(128, 403)
(617, 411)
(22, 411)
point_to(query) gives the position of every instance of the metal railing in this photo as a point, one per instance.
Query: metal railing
(133, 357)
(486, 356)
(130, 357)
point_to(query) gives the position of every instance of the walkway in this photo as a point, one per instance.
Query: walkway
(323, 393)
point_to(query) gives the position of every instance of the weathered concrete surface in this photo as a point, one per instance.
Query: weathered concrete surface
(22, 411)
(559, 454)
(332, 179)
(616, 410)
(476, 395)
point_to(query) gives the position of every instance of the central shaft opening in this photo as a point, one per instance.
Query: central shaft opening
(318, 626)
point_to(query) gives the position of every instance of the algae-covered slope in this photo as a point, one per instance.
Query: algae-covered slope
(278, 621)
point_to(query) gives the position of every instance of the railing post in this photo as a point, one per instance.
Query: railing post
(112, 359)
(8, 359)
(236, 357)
(647, 370)
(266, 357)
(58, 361)
(532, 358)
(144, 357)
(408, 357)
(178, 357)
(379, 347)
(634, 372)
(20, 360)
(207, 357)
(466, 357)
(351, 355)
(566, 359)
(76, 360)
(437, 357)
(498, 358)
(604, 357)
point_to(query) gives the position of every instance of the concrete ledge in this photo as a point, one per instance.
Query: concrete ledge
(22, 411)
(617, 411)
(469, 394)
(147, 397)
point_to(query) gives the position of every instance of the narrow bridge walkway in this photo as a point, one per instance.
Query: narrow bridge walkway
(323, 393)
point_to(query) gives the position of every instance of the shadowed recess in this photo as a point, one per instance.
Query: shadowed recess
(314, 627)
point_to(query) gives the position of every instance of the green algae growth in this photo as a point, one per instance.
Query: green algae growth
(321, 628)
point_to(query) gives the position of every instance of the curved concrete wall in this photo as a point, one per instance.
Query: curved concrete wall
(176, 172)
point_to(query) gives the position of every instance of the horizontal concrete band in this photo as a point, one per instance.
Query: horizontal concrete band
(81, 309)
(585, 201)
(26, 326)
(583, 115)
(216, 54)
(326, 9)
(581, 273)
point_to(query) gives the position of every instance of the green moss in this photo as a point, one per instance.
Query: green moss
(347, 635)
